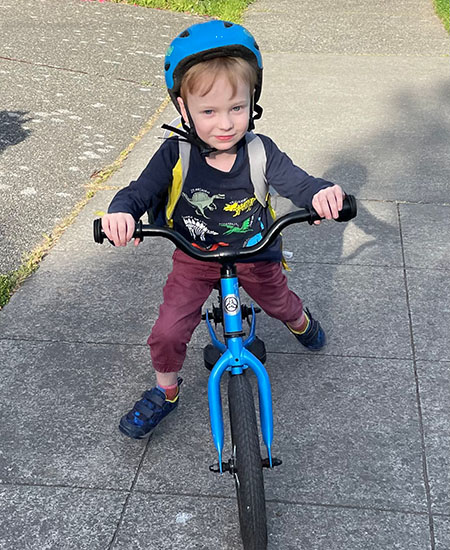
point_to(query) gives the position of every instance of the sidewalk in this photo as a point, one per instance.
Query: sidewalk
(357, 92)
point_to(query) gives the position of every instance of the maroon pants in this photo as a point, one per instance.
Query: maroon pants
(188, 287)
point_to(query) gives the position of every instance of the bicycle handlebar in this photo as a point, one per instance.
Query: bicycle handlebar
(223, 255)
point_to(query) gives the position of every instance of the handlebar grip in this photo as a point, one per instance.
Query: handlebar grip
(348, 212)
(99, 236)
(349, 209)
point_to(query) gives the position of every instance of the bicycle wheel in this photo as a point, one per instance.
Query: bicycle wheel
(248, 473)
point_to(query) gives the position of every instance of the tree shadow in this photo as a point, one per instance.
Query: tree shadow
(356, 174)
(407, 161)
(12, 130)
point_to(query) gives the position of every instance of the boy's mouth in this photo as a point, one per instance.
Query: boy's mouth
(224, 138)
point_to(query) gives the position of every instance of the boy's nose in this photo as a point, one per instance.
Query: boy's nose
(225, 122)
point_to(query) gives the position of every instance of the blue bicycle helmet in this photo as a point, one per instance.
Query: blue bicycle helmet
(208, 40)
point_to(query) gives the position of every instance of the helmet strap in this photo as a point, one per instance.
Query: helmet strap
(256, 112)
(190, 135)
(205, 149)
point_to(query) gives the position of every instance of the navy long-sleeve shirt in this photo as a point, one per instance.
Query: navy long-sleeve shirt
(216, 207)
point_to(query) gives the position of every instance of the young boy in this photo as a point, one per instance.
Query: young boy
(214, 76)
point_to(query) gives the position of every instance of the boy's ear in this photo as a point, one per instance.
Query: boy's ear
(183, 109)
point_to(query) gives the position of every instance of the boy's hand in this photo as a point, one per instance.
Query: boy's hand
(327, 202)
(119, 228)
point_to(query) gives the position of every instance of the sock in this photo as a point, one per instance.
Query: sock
(170, 391)
(296, 331)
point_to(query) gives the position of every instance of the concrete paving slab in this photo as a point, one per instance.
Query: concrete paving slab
(442, 532)
(295, 527)
(426, 235)
(199, 523)
(408, 27)
(347, 435)
(66, 400)
(430, 313)
(434, 395)
(45, 518)
(96, 285)
(97, 281)
(379, 127)
(372, 238)
(155, 521)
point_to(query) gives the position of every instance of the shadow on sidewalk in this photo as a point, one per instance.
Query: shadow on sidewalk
(12, 129)
(409, 159)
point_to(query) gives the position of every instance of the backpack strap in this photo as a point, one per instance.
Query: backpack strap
(179, 171)
(176, 123)
(257, 160)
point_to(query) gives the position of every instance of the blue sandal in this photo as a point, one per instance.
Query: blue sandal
(147, 413)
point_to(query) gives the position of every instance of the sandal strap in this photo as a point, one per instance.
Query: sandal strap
(151, 401)
(143, 410)
(313, 330)
(154, 396)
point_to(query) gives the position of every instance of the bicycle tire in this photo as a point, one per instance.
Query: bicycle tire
(248, 472)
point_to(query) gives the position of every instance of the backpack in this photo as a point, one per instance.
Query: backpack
(265, 195)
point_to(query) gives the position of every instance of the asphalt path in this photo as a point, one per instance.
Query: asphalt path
(78, 80)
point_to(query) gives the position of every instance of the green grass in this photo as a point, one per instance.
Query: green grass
(443, 10)
(11, 281)
(230, 10)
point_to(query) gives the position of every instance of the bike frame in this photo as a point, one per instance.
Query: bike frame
(236, 358)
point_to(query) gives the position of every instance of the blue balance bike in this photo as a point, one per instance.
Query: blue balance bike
(236, 354)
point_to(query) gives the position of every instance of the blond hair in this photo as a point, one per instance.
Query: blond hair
(200, 78)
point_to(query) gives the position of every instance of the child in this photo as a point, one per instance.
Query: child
(214, 77)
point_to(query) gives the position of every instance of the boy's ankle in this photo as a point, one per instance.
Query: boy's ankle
(171, 391)
(313, 338)
(301, 325)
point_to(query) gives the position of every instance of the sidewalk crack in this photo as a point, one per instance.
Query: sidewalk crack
(65, 69)
(418, 399)
(127, 499)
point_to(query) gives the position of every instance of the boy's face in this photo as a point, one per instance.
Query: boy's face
(220, 118)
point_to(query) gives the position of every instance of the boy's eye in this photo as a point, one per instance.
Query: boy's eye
(207, 111)
(237, 108)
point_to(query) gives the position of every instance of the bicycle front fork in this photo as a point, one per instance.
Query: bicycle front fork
(236, 358)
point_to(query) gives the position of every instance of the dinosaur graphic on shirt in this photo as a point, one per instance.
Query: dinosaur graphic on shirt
(239, 207)
(201, 201)
(256, 238)
(197, 228)
(232, 228)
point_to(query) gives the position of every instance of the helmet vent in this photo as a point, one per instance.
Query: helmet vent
(167, 66)
(256, 45)
(227, 24)
(185, 34)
